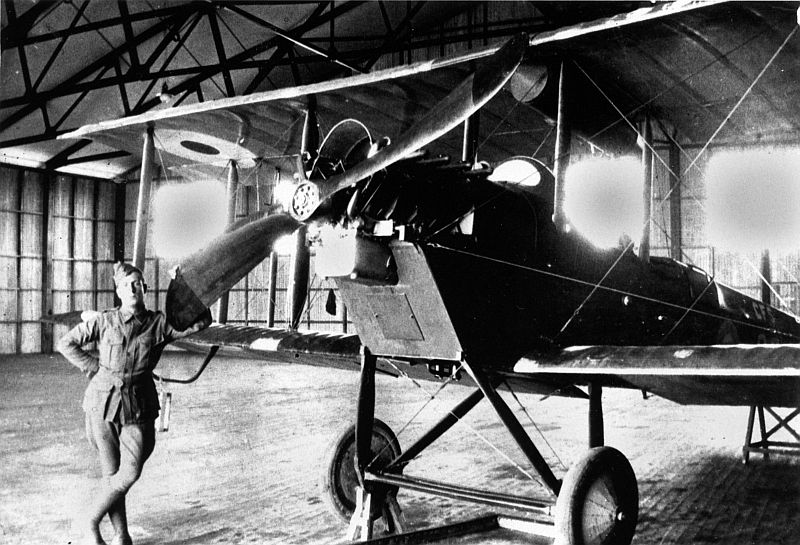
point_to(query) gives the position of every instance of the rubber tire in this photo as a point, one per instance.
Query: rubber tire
(339, 479)
(599, 466)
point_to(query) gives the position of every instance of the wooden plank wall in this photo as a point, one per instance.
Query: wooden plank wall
(57, 232)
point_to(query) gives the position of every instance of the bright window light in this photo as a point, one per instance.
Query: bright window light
(186, 217)
(604, 199)
(284, 245)
(753, 200)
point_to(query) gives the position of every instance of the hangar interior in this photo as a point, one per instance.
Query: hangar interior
(68, 207)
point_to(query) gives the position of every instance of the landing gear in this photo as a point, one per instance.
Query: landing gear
(339, 478)
(598, 503)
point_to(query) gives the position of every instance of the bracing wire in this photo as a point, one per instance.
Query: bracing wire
(474, 431)
(694, 161)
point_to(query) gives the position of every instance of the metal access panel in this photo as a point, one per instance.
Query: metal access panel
(406, 318)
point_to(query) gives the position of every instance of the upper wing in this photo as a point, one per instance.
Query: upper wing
(739, 374)
(640, 59)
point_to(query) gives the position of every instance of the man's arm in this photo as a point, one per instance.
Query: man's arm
(70, 346)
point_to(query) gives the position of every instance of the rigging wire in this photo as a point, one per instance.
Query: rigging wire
(600, 287)
(694, 161)
(472, 429)
(533, 423)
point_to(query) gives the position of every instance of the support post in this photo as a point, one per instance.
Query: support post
(647, 187)
(766, 278)
(46, 249)
(596, 432)
(120, 196)
(675, 212)
(365, 413)
(469, 145)
(561, 160)
(143, 204)
(362, 520)
(233, 182)
(272, 290)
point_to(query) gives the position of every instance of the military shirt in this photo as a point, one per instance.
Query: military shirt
(129, 346)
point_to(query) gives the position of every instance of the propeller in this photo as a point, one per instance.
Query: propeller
(463, 101)
(204, 276)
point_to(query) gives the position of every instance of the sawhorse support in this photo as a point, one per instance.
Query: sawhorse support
(765, 446)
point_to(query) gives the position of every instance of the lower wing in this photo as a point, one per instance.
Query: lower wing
(737, 374)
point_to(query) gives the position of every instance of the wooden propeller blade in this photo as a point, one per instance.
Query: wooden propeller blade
(298, 279)
(463, 101)
(205, 275)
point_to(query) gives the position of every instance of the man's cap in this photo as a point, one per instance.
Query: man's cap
(121, 270)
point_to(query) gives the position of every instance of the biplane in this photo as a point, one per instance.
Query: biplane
(455, 269)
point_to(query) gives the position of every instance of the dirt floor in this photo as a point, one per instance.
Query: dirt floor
(241, 461)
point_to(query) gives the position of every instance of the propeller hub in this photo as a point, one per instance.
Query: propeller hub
(304, 201)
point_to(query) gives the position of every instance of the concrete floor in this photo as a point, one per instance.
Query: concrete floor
(241, 461)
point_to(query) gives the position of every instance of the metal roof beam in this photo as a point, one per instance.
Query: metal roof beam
(59, 158)
(395, 35)
(96, 157)
(128, 29)
(14, 34)
(220, 48)
(14, 40)
(191, 85)
(46, 69)
(32, 102)
(280, 51)
(291, 37)
(157, 53)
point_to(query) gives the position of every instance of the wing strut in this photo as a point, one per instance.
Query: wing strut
(143, 204)
(563, 136)
(233, 182)
(596, 432)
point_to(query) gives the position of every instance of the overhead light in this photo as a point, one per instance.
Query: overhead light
(753, 199)
(604, 199)
(187, 216)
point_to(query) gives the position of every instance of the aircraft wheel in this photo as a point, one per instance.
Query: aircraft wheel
(599, 500)
(339, 478)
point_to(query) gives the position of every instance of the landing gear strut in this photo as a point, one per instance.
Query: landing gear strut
(340, 482)
(597, 502)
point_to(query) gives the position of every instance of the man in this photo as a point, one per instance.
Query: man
(121, 402)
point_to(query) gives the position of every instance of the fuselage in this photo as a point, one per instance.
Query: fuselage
(476, 269)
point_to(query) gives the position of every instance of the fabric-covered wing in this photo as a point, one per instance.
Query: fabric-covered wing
(687, 62)
(740, 374)
(335, 350)
(279, 345)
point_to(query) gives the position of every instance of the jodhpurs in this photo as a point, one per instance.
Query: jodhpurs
(122, 450)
